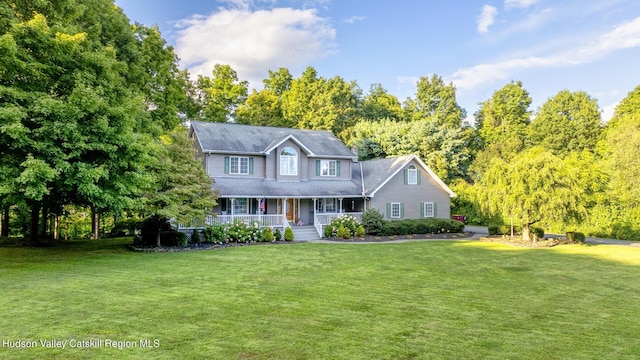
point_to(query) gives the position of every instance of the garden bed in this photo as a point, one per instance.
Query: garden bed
(203, 246)
(543, 243)
(373, 238)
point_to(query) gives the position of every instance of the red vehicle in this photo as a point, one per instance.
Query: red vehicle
(461, 218)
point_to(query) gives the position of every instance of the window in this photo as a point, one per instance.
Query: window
(238, 165)
(395, 210)
(412, 175)
(288, 161)
(240, 206)
(429, 209)
(327, 205)
(328, 168)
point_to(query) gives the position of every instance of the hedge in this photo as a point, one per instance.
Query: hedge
(420, 226)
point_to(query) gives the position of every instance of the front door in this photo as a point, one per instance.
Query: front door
(289, 207)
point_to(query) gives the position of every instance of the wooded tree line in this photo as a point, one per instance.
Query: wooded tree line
(91, 107)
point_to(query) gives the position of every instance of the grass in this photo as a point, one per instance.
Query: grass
(453, 300)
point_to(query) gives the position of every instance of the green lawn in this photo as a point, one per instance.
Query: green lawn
(441, 300)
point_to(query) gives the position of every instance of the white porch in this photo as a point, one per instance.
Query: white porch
(281, 212)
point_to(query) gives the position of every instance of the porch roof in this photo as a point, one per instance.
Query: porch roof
(261, 188)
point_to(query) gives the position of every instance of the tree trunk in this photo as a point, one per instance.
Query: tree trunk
(56, 227)
(526, 232)
(95, 221)
(35, 220)
(43, 226)
(5, 222)
(158, 238)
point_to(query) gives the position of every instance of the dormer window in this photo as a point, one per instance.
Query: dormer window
(289, 161)
(412, 175)
(328, 168)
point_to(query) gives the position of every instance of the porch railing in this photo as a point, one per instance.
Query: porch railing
(262, 220)
(322, 219)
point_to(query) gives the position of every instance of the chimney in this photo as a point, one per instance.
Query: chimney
(354, 150)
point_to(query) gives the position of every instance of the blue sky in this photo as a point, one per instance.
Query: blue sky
(586, 45)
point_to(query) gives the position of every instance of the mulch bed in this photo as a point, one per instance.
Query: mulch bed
(544, 243)
(198, 247)
(372, 238)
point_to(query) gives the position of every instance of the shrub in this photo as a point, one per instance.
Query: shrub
(576, 237)
(506, 230)
(329, 231)
(372, 221)
(343, 232)
(421, 226)
(267, 234)
(149, 230)
(241, 233)
(278, 235)
(126, 227)
(215, 234)
(538, 232)
(359, 231)
(195, 237)
(173, 238)
(288, 234)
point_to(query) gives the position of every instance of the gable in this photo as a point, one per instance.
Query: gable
(378, 173)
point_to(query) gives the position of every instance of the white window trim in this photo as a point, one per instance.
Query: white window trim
(393, 204)
(328, 164)
(239, 159)
(288, 160)
(431, 213)
(412, 175)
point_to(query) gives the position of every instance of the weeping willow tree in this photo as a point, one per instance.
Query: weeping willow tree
(535, 186)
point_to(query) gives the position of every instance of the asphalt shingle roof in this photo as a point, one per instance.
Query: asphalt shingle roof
(238, 138)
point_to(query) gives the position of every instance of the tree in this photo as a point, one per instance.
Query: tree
(278, 81)
(502, 124)
(437, 102)
(443, 149)
(164, 85)
(68, 104)
(181, 188)
(535, 186)
(622, 152)
(628, 106)
(378, 104)
(262, 108)
(321, 104)
(567, 122)
(220, 95)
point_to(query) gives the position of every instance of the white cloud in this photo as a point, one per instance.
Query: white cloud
(354, 19)
(607, 112)
(510, 4)
(487, 18)
(253, 42)
(626, 35)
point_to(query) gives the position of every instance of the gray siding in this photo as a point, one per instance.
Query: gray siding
(215, 166)
(345, 169)
(412, 196)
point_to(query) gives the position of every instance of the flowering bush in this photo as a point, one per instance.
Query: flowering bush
(346, 221)
(242, 233)
(215, 234)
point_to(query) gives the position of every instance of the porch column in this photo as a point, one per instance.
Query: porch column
(260, 211)
(284, 212)
(314, 210)
(340, 205)
(233, 207)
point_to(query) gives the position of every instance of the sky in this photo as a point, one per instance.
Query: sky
(479, 46)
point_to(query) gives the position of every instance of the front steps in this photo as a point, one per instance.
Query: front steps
(305, 233)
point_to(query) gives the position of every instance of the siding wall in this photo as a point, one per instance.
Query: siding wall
(215, 166)
(412, 196)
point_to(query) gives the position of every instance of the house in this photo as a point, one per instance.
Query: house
(281, 177)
